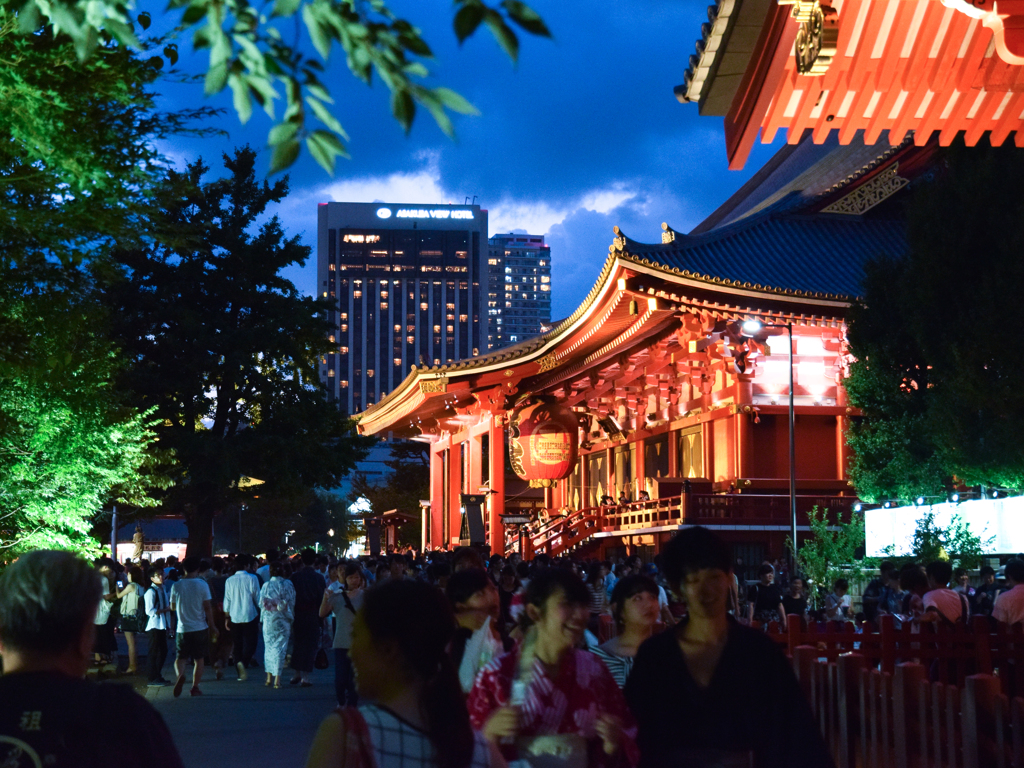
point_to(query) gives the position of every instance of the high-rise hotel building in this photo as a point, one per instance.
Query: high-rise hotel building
(410, 285)
(518, 288)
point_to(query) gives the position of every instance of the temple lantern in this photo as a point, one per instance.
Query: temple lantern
(543, 443)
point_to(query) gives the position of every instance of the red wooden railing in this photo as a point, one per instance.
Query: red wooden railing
(561, 534)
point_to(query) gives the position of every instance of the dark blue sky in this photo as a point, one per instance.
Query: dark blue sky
(585, 133)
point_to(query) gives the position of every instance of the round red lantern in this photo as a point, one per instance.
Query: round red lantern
(543, 442)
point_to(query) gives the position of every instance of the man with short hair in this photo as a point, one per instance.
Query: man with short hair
(241, 617)
(692, 683)
(1009, 605)
(263, 572)
(309, 589)
(193, 604)
(940, 602)
(49, 714)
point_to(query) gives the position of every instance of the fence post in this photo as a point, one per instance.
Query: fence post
(803, 660)
(850, 724)
(906, 704)
(979, 720)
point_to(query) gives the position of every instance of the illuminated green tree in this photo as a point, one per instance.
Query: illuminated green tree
(76, 165)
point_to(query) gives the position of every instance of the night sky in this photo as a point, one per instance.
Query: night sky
(583, 134)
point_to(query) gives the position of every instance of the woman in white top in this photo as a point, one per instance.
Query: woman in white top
(105, 645)
(344, 599)
(133, 613)
(277, 606)
(418, 718)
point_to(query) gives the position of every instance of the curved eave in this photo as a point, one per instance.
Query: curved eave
(447, 382)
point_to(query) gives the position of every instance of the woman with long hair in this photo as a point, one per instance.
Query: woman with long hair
(418, 712)
(635, 610)
(133, 613)
(549, 697)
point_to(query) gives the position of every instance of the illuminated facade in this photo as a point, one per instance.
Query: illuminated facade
(518, 288)
(407, 282)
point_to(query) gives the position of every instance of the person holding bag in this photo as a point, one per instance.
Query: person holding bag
(133, 617)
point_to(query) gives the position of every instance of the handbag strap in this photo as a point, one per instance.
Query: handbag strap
(356, 744)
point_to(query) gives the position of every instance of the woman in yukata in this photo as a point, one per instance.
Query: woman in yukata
(277, 606)
(549, 702)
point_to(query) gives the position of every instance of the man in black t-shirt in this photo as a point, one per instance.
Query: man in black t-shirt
(49, 714)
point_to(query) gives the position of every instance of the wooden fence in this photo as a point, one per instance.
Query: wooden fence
(946, 697)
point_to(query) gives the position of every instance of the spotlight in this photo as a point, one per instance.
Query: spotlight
(752, 326)
(997, 493)
(954, 497)
(858, 507)
(887, 505)
(920, 501)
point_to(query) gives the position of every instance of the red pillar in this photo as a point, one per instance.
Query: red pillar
(436, 496)
(454, 491)
(496, 475)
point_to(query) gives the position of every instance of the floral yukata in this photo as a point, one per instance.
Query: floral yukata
(571, 703)
(277, 604)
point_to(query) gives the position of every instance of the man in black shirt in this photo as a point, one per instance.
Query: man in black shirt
(765, 598)
(49, 714)
(309, 591)
(691, 684)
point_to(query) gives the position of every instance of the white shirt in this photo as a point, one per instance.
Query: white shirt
(103, 609)
(263, 573)
(241, 596)
(156, 599)
(343, 616)
(188, 596)
(1009, 606)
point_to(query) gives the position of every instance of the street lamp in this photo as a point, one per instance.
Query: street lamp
(751, 328)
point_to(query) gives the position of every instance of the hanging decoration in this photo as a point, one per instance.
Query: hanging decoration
(543, 443)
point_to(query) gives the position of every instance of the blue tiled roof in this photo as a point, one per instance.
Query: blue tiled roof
(806, 253)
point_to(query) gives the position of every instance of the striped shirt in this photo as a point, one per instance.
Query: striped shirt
(619, 666)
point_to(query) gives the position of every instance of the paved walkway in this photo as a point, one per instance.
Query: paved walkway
(243, 724)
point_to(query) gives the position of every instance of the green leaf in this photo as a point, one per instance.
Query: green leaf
(441, 118)
(195, 12)
(324, 147)
(216, 79)
(240, 90)
(144, 20)
(503, 34)
(325, 117)
(455, 102)
(171, 52)
(526, 17)
(403, 108)
(284, 155)
(285, 7)
(317, 32)
(282, 132)
(468, 19)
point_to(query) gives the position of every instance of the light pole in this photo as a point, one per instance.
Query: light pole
(752, 327)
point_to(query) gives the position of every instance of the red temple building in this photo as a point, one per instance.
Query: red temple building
(887, 68)
(652, 387)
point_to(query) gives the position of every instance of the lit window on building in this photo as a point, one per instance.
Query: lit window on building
(331, 338)
(451, 329)
(383, 305)
(545, 287)
(330, 372)
(383, 293)
(344, 315)
(343, 350)
(423, 306)
(492, 262)
(437, 329)
(369, 373)
(344, 327)
(331, 267)
(410, 339)
(398, 361)
(344, 384)
(545, 279)
(357, 294)
(463, 318)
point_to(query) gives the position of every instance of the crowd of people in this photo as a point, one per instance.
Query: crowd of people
(450, 661)
(453, 660)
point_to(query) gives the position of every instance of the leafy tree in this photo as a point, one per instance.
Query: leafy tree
(226, 349)
(931, 542)
(76, 167)
(830, 554)
(934, 378)
(250, 53)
